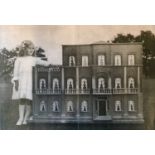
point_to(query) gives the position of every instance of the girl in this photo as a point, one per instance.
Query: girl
(22, 80)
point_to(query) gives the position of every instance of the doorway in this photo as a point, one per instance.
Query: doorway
(102, 108)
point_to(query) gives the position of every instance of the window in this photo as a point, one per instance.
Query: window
(101, 83)
(70, 84)
(83, 84)
(70, 106)
(131, 105)
(117, 60)
(42, 84)
(55, 84)
(84, 60)
(118, 83)
(101, 60)
(131, 60)
(71, 61)
(55, 107)
(84, 106)
(42, 106)
(131, 83)
(118, 106)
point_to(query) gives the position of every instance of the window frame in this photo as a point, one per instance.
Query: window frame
(82, 64)
(115, 60)
(73, 61)
(98, 60)
(57, 106)
(129, 106)
(42, 103)
(81, 108)
(116, 82)
(118, 104)
(67, 106)
(129, 59)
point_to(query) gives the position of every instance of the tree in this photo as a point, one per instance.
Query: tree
(8, 57)
(148, 41)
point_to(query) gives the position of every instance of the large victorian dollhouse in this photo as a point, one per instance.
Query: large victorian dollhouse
(96, 83)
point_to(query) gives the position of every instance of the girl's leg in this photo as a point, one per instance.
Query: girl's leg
(21, 112)
(28, 111)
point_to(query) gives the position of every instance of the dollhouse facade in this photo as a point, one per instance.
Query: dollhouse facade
(96, 82)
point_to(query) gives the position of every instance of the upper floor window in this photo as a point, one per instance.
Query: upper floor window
(84, 106)
(118, 83)
(55, 84)
(83, 84)
(71, 61)
(101, 60)
(131, 83)
(131, 106)
(117, 60)
(55, 106)
(42, 106)
(101, 83)
(131, 60)
(70, 84)
(84, 60)
(70, 106)
(42, 84)
(118, 106)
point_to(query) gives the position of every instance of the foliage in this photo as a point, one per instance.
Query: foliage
(8, 57)
(148, 41)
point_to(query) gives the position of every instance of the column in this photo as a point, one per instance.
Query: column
(125, 75)
(93, 83)
(35, 78)
(49, 79)
(138, 78)
(140, 95)
(77, 92)
(62, 92)
(125, 97)
(109, 83)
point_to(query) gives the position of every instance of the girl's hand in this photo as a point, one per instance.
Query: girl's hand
(16, 85)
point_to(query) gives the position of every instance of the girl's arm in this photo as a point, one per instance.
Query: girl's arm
(41, 62)
(16, 70)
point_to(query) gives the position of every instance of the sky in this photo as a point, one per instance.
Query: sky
(52, 37)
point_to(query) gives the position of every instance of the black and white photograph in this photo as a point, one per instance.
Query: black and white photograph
(77, 77)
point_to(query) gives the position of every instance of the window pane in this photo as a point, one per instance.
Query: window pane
(84, 60)
(118, 83)
(71, 61)
(101, 60)
(131, 59)
(117, 60)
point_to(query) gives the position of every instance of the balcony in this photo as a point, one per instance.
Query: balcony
(84, 91)
(125, 91)
(70, 91)
(48, 91)
(102, 91)
(76, 91)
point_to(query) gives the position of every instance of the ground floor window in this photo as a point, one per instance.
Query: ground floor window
(55, 106)
(117, 105)
(84, 106)
(43, 106)
(131, 105)
(70, 106)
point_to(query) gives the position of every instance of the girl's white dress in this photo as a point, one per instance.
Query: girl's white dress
(23, 73)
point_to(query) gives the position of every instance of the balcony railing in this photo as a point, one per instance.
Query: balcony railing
(87, 91)
(102, 91)
(125, 91)
(48, 91)
(84, 91)
(70, 91)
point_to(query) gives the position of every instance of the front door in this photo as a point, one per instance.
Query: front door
(102, 110)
